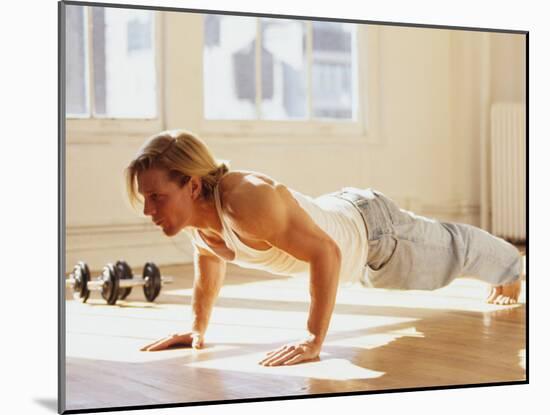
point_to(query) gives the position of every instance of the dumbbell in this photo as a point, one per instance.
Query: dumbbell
(115, 282)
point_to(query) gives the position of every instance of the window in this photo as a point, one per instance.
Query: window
(110, 63)
(279, 69)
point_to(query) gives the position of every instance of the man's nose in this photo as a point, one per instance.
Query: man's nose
(148, 209)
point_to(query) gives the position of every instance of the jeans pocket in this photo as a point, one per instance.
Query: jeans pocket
(394, 272)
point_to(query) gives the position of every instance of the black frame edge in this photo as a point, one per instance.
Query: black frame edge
(61, 327)
(294, 397)
(288, 16)
(527, 285)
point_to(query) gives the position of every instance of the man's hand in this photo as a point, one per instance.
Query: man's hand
(195, 340)
(292, 353)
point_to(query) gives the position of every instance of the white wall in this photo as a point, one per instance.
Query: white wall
(425, 153)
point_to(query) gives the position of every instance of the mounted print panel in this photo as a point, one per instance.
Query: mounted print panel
(261, 207)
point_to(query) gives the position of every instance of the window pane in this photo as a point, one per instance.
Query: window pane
(283, 69)
(124, 63)
(332, 77)
(76, 98)
(229, 67)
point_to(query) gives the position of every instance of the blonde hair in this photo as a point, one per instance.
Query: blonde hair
(182, 154)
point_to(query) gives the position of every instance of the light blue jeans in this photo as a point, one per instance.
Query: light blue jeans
(411, 252)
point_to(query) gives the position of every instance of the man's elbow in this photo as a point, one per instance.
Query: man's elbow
(333, 252)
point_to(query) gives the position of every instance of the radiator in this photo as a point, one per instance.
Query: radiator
(508, 171)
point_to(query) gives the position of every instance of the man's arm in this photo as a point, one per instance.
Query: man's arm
(209, 276)
(269, 212)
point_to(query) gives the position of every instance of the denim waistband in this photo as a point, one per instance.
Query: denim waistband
(373, 209)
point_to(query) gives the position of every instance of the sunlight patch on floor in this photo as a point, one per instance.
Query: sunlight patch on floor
(279, 319)
(463, 294)
(372, 341)
(118, 338)
(326, 368)
(296, 289)
(128, 309)
(123, 349)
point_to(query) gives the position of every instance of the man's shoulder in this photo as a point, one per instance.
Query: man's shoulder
(243, 192)
(239, 185)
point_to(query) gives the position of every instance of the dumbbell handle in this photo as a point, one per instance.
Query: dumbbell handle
(98, 284)
(133, 282)
(91, 285)
(123, 283)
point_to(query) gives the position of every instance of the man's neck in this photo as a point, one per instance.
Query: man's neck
(207, 218)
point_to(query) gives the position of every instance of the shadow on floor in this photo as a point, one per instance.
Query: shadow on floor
(48, 403)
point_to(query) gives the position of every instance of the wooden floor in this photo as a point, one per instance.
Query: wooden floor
(378, 340)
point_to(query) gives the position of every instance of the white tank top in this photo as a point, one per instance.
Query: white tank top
(337, 217)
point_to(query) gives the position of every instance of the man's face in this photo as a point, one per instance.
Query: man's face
(168, 203)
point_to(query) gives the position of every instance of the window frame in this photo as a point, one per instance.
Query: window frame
(82, 128)
(365, 126)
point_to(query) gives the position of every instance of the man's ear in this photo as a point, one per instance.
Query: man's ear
(196, 187)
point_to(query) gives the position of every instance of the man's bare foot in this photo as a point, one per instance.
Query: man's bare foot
(505, 294)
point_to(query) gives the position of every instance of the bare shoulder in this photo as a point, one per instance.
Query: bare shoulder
(235, 180)
(245, 192)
